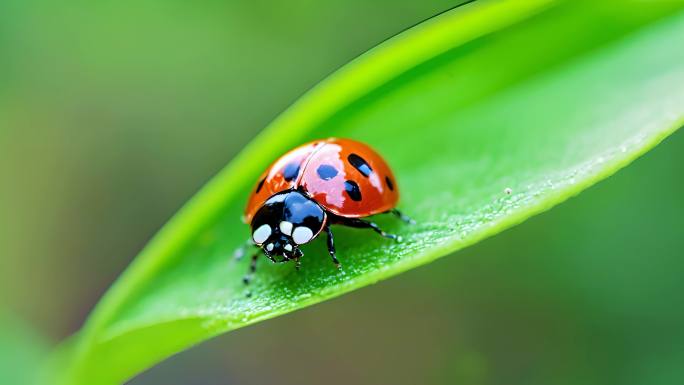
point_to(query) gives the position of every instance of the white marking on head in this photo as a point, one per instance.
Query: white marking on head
(269, 247)
(288, 247)
(261, 234)
(286, 227)
(302, 235)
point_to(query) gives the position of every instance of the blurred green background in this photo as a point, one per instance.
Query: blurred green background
(114, 113)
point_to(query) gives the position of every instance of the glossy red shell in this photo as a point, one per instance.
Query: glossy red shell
(326, 170)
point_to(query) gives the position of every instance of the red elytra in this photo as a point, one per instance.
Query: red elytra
(345, 177)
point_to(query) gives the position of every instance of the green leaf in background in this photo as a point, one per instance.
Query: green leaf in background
(488, 113)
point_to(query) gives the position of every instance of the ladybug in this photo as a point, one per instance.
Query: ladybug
(318, 184)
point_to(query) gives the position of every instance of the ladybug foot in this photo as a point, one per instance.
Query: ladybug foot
(403, 217)
(396, 238)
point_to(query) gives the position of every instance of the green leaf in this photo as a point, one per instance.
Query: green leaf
(489, 113)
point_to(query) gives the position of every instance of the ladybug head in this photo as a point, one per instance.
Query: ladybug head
(281, 246)
(284, 222)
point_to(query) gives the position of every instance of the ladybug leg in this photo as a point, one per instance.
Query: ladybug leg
(331, 246)
(252, 269)
(361, 224)
(298, 259)
(405, 218)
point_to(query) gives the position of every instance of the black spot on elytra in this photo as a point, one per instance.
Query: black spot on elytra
(326, 171)
(360, 164)
(260, 185)
(352, 190)
(291, 171)
(389, 183)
